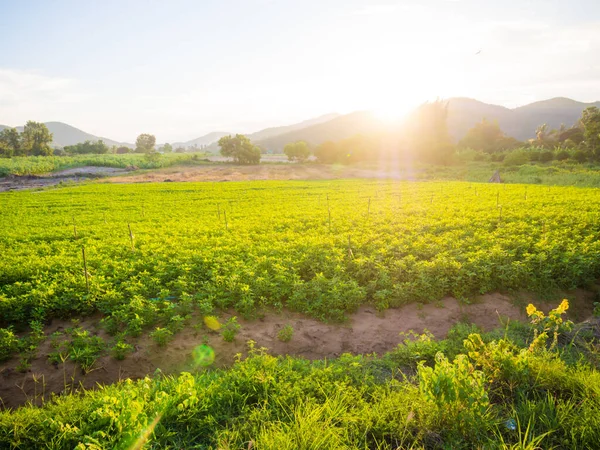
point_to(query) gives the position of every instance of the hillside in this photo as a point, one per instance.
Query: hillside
(64, 134)
(207, 139)
(519, 122)
(360, 122)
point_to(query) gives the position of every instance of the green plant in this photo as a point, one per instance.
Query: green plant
(9, 343)
(230, 329)
(161, 336)
(286, 333)
(121, 349)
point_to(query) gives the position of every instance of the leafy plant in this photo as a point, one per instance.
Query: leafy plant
(286, 333)
(161, 336)
(230, 329)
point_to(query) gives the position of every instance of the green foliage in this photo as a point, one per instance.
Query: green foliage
(36, 139)
(590, 119)
(121, 349)
(286, 333)
(487, 137)
(84, 348)
(240, 148)
(9, 343)
(145, 143)
(297, 151)
(230, 329)
(458, 391)
(87, 147)
(161, 336)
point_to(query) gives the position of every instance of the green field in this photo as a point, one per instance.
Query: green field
(37, 165)
(321, 248)
(249, 246)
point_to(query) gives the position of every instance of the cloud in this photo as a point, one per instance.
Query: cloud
(23, 92)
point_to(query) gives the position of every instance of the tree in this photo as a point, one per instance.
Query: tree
(36, 139)
(10, 142)
(327, 153)
(180, 150)
(240, 149)
(487, 137)
(167, 148)
(427, 133)
(145, 143)
(590, 119)
(122, 150)
(544, 137)
(297, 151)
(87, 148)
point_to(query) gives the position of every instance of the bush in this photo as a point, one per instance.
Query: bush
(230, 329)
(9, 343)
(161, 336)
(121, 349)
(286, 333)
(546, 156)
(562, 155)
(516, 158)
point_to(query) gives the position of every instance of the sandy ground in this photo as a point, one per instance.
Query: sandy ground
(367, 331)
(79, 174)
(229, 172)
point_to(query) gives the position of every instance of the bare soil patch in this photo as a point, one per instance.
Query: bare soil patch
(367, 331)
(230, 172)
(76, 175)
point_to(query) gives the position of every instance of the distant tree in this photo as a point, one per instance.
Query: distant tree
(487, 137)
(544, 137)
(145, 143)
(59, 152)
(180, 150)
(122, 150)
(327, 153)
(573, 134)
(167, 148)
(87, 148)
(10, 142)
(427, 133)
(546, 156)
(562, 155)
(36, 139)
(590, 119)
(297, 151)
(240, 149)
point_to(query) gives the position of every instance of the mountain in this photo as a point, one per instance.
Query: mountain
(341, 127)
(64, 134)
(277, 131)
(520, 122)
(207, 139)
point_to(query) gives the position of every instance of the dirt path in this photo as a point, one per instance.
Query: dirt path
(229, 172)
(76, 175)
(367, 331)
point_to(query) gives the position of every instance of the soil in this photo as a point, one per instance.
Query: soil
(79, 174)
(230, 172)
(367, 331)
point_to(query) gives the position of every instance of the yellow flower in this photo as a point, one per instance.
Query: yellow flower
(564, 305)
(531, 309)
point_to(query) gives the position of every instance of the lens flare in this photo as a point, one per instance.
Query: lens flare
(203, 355)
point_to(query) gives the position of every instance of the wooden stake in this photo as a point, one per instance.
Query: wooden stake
(350, 254)
(74, 228)
(131, 238)
(219, 210)
(87, 279)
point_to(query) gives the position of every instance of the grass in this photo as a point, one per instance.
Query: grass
(471, 390)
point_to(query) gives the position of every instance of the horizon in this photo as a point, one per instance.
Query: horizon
(178, 72)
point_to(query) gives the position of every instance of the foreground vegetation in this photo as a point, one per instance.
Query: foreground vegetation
(155, 253)
(524, 387)
(36, 165)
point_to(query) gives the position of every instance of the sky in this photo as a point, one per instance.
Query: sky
(183, 68)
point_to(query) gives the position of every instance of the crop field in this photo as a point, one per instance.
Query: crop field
(321, 248)
(144, 257)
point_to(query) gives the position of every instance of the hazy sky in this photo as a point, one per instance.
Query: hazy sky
(180, 69)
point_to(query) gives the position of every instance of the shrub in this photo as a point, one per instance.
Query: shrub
(286, 333)
(161, 336)
(230, 329)
(9, 343)
(121, 349)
